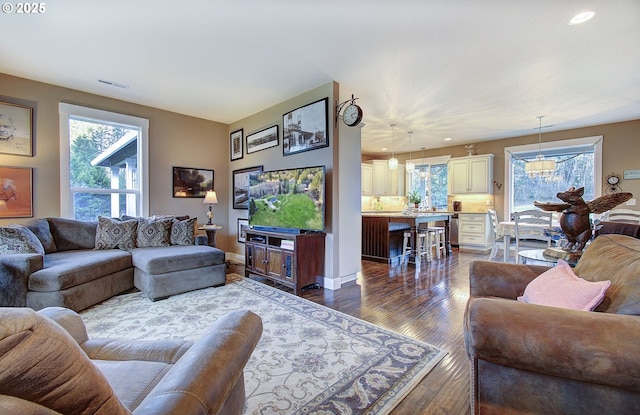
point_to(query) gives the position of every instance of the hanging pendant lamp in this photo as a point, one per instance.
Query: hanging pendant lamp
(410, 165)
(393, 161)
(540, 167)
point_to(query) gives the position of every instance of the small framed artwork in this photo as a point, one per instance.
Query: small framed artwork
(236, 143)
(16, 129)
(16, 193)
(262, 140)
(305, 128)
(243, 225)
(241, 182)
(191, 182)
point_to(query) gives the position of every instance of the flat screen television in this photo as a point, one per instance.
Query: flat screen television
(288, 200)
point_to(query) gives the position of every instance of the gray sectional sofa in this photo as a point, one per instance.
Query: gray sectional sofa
(77, 268)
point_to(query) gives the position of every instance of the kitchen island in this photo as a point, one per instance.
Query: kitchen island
(382, 233)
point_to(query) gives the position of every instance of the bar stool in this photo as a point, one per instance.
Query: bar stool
(421, 235)
(436, 240)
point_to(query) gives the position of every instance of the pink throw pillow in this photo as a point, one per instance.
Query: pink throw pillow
(560, 287)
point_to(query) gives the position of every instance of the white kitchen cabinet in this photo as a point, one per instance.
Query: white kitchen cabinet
(366, 179)
(387, 182)
(474, 231)
(472, 174)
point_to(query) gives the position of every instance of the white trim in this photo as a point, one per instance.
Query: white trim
(68, 110)
(509, 152)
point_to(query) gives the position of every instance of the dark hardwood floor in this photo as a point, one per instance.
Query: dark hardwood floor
(427, 305)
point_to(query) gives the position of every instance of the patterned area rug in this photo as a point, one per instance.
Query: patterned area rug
(310, 359)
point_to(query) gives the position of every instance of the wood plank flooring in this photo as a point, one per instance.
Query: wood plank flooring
(427, 305)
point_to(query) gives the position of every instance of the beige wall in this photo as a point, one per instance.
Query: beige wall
(619, 147)
(174, 140)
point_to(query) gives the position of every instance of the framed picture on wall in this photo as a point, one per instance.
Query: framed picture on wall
(305, 128)
(262, 140)
(191, 182)
(16, 129)
(243, 225)
(236, 143)
(16, 193)
(241, 186)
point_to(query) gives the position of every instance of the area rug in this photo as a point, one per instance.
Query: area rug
(310, 359)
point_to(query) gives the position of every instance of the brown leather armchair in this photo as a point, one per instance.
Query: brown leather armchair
(535, 359)
(48, 365)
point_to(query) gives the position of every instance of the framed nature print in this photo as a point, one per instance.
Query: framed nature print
(306, 128)
(243, 225)
(16, 129)
(241, 186)
(191, 182)
(236, 143)
(16, 193)
(262, 140)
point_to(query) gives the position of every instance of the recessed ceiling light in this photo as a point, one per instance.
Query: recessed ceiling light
(581, 17)
(384, 149)
(448, 139)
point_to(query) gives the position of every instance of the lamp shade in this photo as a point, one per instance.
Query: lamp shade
(393, 163)
(210, 198)
(410, 167)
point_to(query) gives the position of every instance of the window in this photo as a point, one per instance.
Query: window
(430, 179)
(578, 164)
(103, 163)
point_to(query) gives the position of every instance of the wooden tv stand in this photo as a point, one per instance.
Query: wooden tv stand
(295, 260)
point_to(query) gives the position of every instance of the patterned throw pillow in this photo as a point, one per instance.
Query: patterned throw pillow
(18, 239)
(183, 232)
(113, 233)
(153, 232)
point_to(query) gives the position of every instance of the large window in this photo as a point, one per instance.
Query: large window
(430, 180)
(103, 163)
(578, 164)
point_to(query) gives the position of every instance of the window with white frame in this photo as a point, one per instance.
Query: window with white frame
(430, 180)
(103, 163)
(578, 164)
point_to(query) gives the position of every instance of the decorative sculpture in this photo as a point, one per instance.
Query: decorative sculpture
(574, 219)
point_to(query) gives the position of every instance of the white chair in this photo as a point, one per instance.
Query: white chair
(621, 215)
(497, 242)
(530, 230)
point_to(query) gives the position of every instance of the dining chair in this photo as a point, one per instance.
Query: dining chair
(530, 230)
(621, 215)
(497, 242)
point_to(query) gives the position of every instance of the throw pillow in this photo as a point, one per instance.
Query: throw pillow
(183, 232)
(18, 239)
(560, 287)
(153, 232)
(113, 233)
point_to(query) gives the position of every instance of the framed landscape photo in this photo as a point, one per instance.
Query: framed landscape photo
(191, 182)
(243, 225)
(16, 193)
(16, 129)
(306, 128)
(262, 140)
(241, 186)
(236, 143)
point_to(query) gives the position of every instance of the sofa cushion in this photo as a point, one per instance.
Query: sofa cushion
(615, 258)
(113, 233)
(183, 232)
(40, 228)
(159, 260)
(153, 232)
(68, 269)
(560, 287)
(18, 239)
(70, 234)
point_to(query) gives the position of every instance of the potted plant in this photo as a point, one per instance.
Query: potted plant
(415, 197)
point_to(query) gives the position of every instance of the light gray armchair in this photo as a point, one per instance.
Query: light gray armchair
(48, 365)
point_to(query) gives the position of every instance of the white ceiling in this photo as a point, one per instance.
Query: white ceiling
(468, 70)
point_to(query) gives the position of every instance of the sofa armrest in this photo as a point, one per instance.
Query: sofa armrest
(164, 351)
(10, 405)
(15, 270)
(499, 279)
(69, 320)
(203, 378)
(586, 346)
(201, 240)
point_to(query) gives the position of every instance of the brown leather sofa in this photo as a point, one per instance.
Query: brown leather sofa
(535, 359)
(48, 369)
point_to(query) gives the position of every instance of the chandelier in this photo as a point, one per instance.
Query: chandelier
(540, 167)
(410, 165)
(393, 161)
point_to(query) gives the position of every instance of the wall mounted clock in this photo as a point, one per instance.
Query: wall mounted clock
(613, 183)
(352, 115)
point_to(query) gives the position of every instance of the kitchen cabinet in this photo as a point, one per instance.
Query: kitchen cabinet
(387, 182)
(474, 231)
(366, 179)
(472, 174)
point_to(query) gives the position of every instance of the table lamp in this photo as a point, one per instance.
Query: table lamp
(210, 199)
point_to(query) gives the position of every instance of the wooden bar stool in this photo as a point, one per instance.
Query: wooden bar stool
(407, 249)
(436, 240)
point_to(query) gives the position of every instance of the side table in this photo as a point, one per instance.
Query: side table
(211, 233)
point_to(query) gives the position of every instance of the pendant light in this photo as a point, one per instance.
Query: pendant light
(410, 165)
(393, 161)
(425, 172)
(540, 167)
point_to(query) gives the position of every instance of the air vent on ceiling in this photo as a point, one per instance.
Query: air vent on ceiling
(111, 83)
